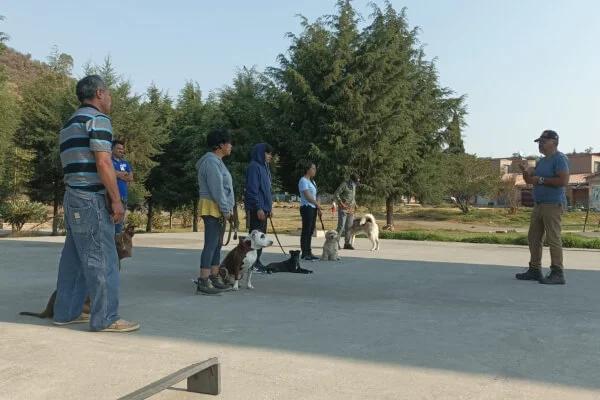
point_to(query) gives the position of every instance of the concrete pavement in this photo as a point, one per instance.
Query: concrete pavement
(417, 320)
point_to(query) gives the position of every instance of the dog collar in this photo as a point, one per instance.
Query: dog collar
(245, 246)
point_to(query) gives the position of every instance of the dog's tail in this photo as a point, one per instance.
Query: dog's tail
(31, 314)
(366, 217)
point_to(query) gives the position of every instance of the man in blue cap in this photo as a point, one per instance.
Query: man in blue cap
(549, 178)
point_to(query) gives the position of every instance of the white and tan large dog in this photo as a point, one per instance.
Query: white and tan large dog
(366, 224)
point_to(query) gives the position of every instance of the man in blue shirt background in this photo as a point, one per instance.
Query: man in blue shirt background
(549, 179)
(124, 176)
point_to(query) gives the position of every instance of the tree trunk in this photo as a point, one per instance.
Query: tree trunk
(389, 213)
(464, 206)
(149, 223)
(195, 217)
(170, 219)
(55, 214)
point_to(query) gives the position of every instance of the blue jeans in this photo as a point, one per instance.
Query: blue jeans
(213, 240)
(89, 262)
(345, 221)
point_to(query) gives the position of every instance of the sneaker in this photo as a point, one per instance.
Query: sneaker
(216, 283)
(348, 246)
(308, 257)
(259, 268)
(122, 326)
(532, 274)
(82, 319)
(205, 287)
(554, 277)
(315, 257)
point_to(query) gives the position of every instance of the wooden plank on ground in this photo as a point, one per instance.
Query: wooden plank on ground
(203, 377)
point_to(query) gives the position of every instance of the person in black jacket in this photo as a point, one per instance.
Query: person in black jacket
(257, 193)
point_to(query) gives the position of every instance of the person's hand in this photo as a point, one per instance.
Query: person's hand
(228, 217)
(355, 207)
(118, 212)
(319, 212)
(261, 215)
(270, 214)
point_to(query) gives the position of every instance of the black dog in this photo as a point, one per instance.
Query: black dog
(292, 264)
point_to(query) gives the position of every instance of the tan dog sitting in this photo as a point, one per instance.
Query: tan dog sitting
(330, 247)
(124, 243)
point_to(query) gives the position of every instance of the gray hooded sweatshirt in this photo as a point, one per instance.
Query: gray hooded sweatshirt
(215, 182)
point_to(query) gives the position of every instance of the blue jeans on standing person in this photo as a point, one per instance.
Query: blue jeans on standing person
(345, 221)
(213, 232)
(89, 262)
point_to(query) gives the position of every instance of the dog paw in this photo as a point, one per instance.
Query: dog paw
(250, 287)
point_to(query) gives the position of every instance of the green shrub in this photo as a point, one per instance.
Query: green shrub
(18, 212)
(136, 219)
(186, 215)
(159, 220)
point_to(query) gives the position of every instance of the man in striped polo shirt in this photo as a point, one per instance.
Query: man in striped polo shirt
(89, 262)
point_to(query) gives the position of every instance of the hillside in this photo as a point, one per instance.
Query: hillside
(19, 68)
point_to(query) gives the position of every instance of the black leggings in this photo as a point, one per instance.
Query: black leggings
(309, 221)
(255, 223)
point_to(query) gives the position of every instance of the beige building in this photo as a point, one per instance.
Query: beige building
(584, 180)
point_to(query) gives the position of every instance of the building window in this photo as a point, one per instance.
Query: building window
(596, 166)
(505, 169)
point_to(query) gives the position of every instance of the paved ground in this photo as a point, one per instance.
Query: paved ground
(415, 321)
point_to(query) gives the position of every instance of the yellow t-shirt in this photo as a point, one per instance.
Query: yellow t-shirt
(209, 207)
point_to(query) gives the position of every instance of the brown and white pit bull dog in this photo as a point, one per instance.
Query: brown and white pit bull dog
(241, 258)
(124, 244)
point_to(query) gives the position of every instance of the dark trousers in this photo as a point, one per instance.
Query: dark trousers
(213, 240)
(309, 222)
(255, 223)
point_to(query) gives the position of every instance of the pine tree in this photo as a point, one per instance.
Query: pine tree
(172, 183)
(46, 105)
(137, 124)
(454, 136)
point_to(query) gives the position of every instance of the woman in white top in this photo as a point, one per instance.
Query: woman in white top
(309, 208)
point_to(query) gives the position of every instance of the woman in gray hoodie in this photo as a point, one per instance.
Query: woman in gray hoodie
(215, 208)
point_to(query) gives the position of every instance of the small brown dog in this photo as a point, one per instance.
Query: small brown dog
(124, 243)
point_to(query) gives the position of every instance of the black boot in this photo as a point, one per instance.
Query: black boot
(554, 277)
(204, 286)
(532, 274)
(217, 284)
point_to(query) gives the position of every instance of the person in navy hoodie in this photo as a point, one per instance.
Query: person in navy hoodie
(257, 193)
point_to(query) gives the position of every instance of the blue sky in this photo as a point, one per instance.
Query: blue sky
(525, 65)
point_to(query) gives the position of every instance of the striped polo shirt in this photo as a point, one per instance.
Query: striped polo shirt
(86, 131)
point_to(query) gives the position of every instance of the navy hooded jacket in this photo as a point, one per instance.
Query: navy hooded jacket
(257, 190)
